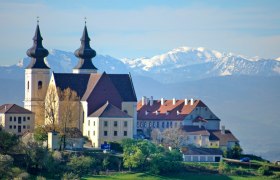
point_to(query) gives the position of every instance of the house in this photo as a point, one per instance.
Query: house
(163, 114)
(197, 136)
(223, 139)
(202, 154)
(108, 123)
(16, 119)
(101, 98)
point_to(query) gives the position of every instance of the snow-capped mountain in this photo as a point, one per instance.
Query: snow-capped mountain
(187, 63)
(177, 65)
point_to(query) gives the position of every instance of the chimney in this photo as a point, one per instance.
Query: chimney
(5, 108)
(174, 101)
(151, 101)
(191, 101)
(223, 130)
(157, 112)
(146, 113)
(186, 102)
(143, 100)
(162, 101)
(146, 101)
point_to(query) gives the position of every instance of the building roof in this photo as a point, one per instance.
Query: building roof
(199, 119)
(217, 135)
(109, 110)
(37, 52)
(97, 89)
(195, 130)
(202, 151)
(168, 106)
(76, 82)
(13, 109)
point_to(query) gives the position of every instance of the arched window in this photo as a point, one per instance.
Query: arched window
(28, 85)
(40, 84)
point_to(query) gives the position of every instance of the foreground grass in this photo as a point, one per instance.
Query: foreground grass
(145, 176)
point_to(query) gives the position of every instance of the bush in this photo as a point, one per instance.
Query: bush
(70, 175)
(81, 165)
(264, 171)
(40, 178)
(23, 176)
(223, 168)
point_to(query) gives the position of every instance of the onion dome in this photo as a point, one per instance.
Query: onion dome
(37, 52)
(85, 53)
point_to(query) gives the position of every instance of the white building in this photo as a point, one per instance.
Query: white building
(202, 154)
(93, 89)
(16, 119)
(162, 114)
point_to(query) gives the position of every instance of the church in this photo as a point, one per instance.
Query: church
(106, 104)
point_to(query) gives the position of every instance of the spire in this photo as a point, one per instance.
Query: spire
(85, 53)
(37, 52)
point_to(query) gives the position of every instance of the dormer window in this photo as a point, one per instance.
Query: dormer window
(157, 112)
(178, 112)
(167, 112)
(40, 84)
(146, 113)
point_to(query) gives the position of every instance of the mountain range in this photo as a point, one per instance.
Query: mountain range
(243, 92)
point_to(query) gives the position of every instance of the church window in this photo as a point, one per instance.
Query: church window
(125, 124)
(40, 84)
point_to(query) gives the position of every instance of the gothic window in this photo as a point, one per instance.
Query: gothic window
(40, 84)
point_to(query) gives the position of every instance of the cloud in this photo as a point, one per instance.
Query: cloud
(144, 31)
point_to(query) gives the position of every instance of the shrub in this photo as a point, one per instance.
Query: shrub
(23, 176)
(81, 165)
(40, 178)
(70, 175)
(223, 168)
(264, 170)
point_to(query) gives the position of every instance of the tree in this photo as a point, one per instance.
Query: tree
(7, 142)
(174, 137)
(6, 163)
(40, 134)
(235, 152)
(156, 136)
(51, 107)
(69, 102)
(81, 165)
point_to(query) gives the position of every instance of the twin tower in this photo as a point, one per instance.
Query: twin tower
(37, 73)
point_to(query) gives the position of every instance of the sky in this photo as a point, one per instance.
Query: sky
(142, 28)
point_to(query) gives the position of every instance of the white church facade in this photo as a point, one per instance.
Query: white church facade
(106, 107)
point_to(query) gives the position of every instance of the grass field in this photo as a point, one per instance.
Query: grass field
(144, 176)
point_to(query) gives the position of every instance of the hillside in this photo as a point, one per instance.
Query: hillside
(246, 98)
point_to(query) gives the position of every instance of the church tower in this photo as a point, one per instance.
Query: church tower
(37, 77)
(85, 54)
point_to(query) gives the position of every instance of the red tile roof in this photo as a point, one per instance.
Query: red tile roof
(168, 106)
(13, 109)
